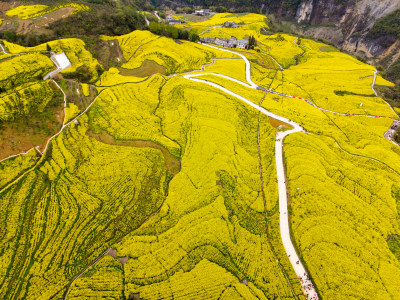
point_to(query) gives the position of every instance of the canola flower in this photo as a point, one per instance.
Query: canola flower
(26, 11)
(71, 111)
(32, 11)
(209, 231)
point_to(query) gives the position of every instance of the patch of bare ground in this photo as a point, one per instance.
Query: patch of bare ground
(4, 6)
(33, 130)
(279, 124)
(112, 252)
(37, 25)
(172, 162)
(148, 67)
(109, 54)
(264, 61)
(123, 260)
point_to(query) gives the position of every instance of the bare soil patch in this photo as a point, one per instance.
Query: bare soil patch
(279, 124)
(27, 132)
(112, 252)
(123, 260)
(36, 25)
(74, 92)
(4, 6)
(148, 67)
(109, 54)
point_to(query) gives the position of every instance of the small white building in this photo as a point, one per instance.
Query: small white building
(242, 43)
(61, 61)
(202, 12)
(169, 18)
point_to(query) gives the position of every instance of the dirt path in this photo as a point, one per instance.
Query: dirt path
(3, 50)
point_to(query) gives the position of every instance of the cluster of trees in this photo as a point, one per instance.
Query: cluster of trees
(27, 40)
(121, 21)
(85, 25)
(285, 7)
(252, 42)
(173, 32)
(388, 25)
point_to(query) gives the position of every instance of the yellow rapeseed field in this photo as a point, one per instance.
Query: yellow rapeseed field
(26, 11)
(31, 11)
(163, 173)
(218, 237)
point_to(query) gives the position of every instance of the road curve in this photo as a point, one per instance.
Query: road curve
(298, 267)
(248, 66)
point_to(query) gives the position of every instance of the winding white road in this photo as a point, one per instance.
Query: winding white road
(308, 288)
(298, 267)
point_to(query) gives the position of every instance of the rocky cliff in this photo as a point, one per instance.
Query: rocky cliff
(347, 24)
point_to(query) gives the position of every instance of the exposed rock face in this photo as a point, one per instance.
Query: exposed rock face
(347, 23)
(304, 11)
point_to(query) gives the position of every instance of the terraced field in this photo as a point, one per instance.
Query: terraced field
(257, 175)
(31, 11)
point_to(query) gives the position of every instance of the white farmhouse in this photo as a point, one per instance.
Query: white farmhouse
(242, 43)
(202, 12)
(232, 42)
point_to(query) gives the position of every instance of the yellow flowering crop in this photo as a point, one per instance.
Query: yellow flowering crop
(85, 89)
(71, 111)
(12, 168)
(26, 11)
(31, 11)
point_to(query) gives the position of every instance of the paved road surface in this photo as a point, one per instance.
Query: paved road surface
(301, 272)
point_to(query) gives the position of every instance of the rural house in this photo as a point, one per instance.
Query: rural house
(232, 42)
(221, 42)
(202, 12)
(242, 43)
(208, 40)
